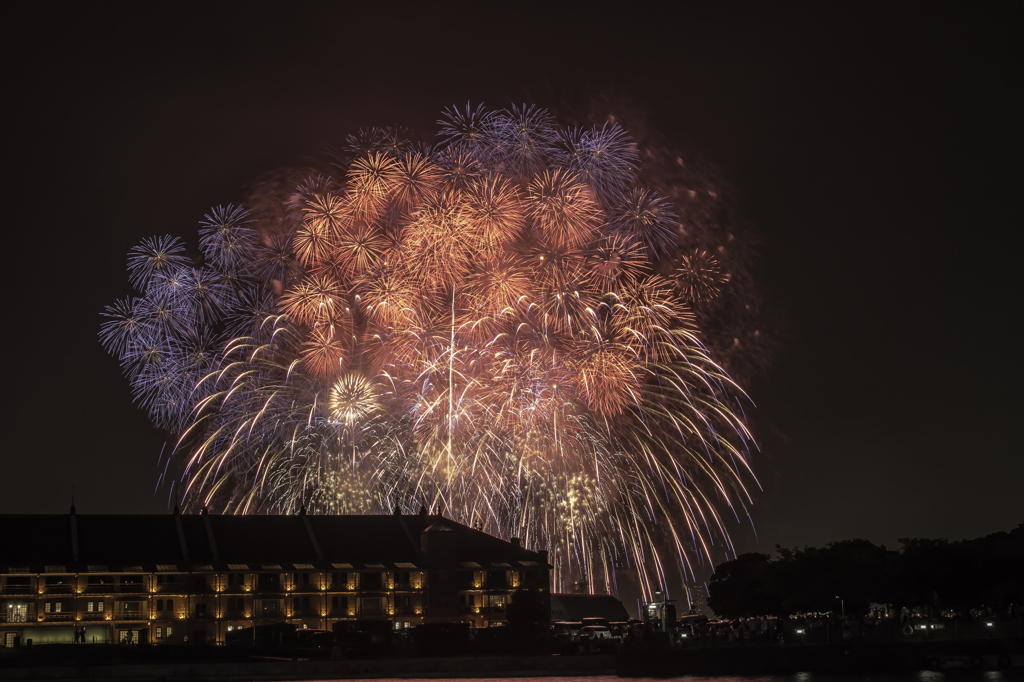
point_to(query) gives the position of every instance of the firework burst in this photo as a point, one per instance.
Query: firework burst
(496, 328)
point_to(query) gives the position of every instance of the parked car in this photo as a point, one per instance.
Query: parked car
(593, 633)
(567, 630)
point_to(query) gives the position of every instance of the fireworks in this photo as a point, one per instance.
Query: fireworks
(497, 328)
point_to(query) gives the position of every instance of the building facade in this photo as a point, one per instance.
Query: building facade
(192, 578)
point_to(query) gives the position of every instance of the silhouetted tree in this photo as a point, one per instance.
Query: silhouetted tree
(936, 574)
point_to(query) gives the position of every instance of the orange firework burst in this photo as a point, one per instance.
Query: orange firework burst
(483, 328)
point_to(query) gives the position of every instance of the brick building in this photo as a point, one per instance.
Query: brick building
(163, 578)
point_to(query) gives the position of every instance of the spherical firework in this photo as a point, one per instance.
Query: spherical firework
(353, 399)
(498, 328)
(698, 276)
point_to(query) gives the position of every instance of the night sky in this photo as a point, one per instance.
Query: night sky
(876, 154)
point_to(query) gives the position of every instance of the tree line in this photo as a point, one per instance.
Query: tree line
(932, 574)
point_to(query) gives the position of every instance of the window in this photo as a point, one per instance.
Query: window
(170, 604)
(159, 580)
(231, 579)
(295, 604)
(200, 610)
(131, 606)
(305, 578)
(334, 602)
(90, 607)
(57, 606)
(371, 606)
(472, 600)
(241, 579)
(159, 604)
(99, 606)
(46, 607)
(170, 631)
(159, 633)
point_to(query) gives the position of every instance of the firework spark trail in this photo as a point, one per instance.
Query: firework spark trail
(499, 328)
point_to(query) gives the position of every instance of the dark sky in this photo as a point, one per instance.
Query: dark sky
(876, 152)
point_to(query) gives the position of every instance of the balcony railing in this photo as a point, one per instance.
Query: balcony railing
(308, 612)
(58, 589)
(114, 589)
(171, 588)
(234, 589)
(9, 617)
(403, 585)
(52, 617)
(131, 615)
(311, 587)
(17, 589)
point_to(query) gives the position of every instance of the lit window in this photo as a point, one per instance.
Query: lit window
(90, 606)
(159, 633)
(170, 631)
(99, 606)
(46, 607)
(56, 607)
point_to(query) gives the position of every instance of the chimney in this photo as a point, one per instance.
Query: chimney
(312, 536)
(181, 532)
(209, 534)
(74, 533)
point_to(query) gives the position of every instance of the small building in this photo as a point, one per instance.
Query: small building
(177, 578)
(576, 607)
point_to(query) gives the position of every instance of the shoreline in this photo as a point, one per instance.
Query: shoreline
(497, 666)
(637, 661)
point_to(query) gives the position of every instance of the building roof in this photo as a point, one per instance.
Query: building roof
(41, 543)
